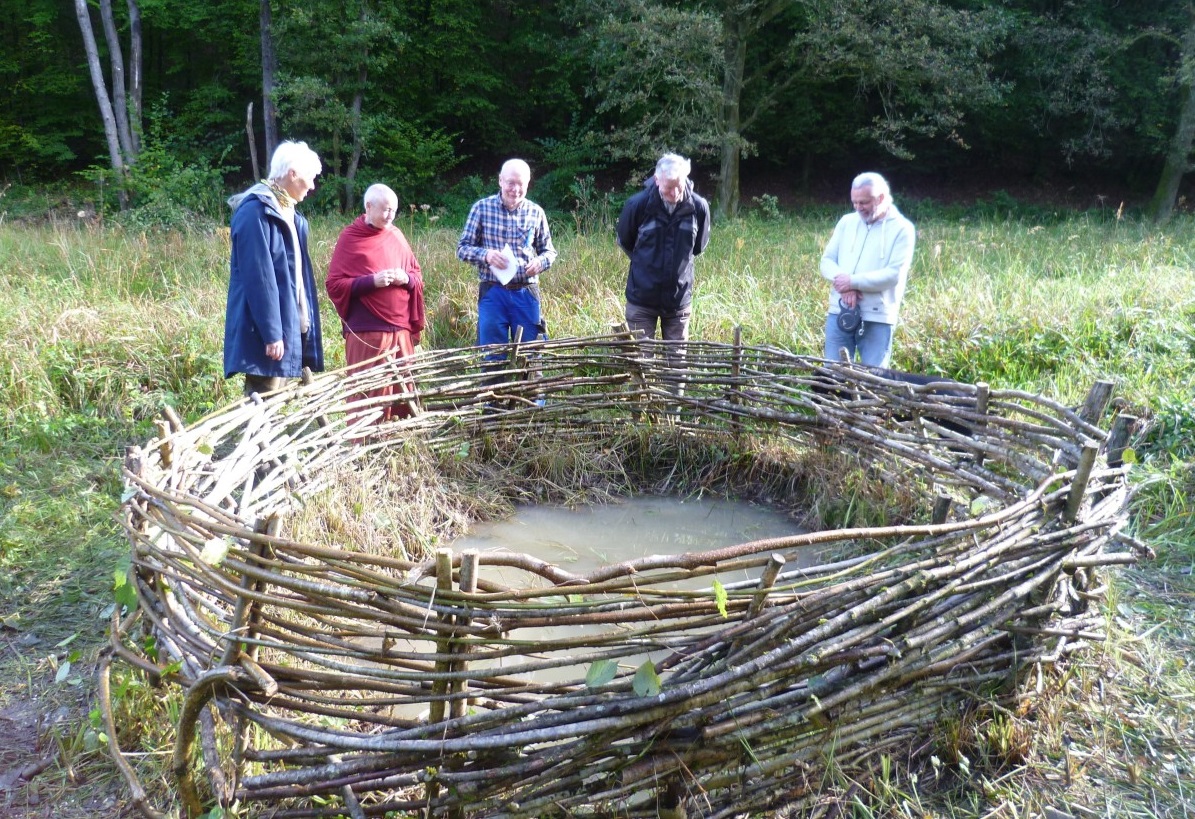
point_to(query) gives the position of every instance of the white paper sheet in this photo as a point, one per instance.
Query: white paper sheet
(512, 266)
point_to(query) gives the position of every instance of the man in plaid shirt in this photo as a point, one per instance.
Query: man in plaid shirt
(508, 292)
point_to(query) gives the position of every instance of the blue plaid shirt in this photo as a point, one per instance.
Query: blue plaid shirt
(490, 226)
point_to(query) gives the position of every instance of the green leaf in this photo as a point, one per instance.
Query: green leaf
(647, 681)
(980, 505)
(1129, 456)
(214, 551)
(64, 671)
(600, 673)
(126, 595)
(128, 494)
(720, 598)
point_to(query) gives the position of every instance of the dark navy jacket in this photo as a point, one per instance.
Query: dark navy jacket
(262, 306)
(662, 247)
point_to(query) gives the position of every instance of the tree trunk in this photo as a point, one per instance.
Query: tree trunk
(350, 172)
(252, 141)
(269, 67)
(101, 97)
(735, 50)
(120, 106)
(1178, 156)
(135, 75)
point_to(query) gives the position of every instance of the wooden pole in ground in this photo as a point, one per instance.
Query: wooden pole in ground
(436, 709)
(443, 640)
(1079, 485)
(1096, 401)
(1118, 438)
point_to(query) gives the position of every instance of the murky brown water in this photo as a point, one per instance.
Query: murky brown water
(581, 540)
(588, 538)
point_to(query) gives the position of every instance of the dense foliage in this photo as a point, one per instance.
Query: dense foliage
(425, 94)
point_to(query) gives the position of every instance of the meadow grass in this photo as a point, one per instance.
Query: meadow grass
(101, 326)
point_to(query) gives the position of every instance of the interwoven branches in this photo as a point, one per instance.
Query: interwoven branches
(718, 680)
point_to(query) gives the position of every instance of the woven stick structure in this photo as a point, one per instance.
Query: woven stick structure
(324, 680)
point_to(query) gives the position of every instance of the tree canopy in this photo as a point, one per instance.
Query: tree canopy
(422, 94)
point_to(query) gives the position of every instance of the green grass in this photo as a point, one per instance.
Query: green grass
(99, 326)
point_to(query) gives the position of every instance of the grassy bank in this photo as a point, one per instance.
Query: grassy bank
(100, 326)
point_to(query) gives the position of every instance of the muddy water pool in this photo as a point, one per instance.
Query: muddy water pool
(583, 539)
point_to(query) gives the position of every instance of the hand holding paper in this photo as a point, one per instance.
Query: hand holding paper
(507, 272)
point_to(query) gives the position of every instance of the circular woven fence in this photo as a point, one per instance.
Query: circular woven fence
(334, 678)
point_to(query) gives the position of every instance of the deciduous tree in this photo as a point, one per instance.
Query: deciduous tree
(1178, 154)
(702, 74)
(114, 110)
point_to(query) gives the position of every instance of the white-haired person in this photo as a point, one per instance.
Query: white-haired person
(663, 228)
(272, 322)
(507, 238)
(376, 285)
(867, 263)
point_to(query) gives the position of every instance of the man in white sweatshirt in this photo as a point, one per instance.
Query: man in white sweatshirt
(867, 263)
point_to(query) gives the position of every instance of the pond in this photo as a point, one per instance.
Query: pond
(583, 539)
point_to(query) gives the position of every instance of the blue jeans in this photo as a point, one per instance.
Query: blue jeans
(500, 311)
(872, 342)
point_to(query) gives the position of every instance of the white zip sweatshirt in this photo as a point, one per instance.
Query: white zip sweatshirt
(877, 257)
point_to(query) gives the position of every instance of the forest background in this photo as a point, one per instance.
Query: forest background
(148, 103)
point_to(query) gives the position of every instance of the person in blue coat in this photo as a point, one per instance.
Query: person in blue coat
(272, 322)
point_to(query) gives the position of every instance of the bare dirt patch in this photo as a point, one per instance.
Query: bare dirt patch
(42, 774)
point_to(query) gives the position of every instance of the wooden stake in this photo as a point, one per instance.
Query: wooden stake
(1096, 402)
(1118, 438)
(942, 505)
(767, 579)
(1079, 485)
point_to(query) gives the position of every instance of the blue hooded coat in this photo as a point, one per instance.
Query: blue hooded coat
(262, 302)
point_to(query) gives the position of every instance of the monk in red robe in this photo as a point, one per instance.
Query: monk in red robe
(376, 284)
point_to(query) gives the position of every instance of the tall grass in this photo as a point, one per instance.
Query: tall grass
(99, 326)
(106, 325)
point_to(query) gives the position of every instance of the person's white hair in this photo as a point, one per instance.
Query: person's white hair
(515, 166)
(378, 192)
(294, 156)
(877, 183)
(673, 166)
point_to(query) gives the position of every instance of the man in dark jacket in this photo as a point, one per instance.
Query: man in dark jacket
(272, 322)
(662, 229)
